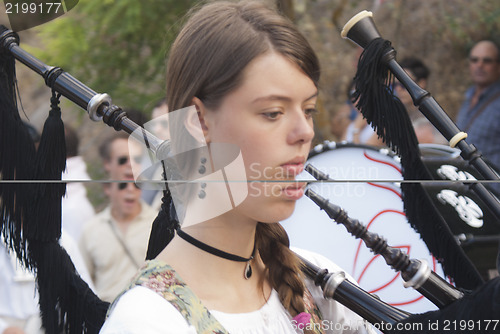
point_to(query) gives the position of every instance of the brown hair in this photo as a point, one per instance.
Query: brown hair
(206, 61)
(105, 146)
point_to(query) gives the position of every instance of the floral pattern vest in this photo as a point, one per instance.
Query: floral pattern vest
(162, 279)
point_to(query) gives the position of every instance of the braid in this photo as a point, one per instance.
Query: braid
(283, 266)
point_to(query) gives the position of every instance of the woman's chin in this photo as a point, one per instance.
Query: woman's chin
(277, 213)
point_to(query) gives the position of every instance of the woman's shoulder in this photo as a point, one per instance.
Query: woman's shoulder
(141, 310)
(317, 259)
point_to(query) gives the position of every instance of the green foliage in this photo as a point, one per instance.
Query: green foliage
(117, 47)
(465, 24)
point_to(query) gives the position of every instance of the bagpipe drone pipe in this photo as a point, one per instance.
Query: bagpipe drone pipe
(31, 191)
(459, 311)
(30, 199)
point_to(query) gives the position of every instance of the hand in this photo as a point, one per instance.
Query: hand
(13, 330)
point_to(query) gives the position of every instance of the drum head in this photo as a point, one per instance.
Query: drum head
(378, 205)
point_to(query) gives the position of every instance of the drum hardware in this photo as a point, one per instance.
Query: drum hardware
(471, 221)
(469, 239)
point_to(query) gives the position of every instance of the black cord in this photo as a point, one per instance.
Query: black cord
(209, 249)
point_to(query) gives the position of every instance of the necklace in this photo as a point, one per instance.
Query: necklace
(217, 252)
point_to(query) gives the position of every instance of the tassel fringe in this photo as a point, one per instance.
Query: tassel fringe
(31, 214)
(387, 115)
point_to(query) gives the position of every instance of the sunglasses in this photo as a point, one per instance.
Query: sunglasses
(124, 159)
(123, 185)
(487, 61)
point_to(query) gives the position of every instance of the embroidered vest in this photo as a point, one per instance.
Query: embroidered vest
(162, 279)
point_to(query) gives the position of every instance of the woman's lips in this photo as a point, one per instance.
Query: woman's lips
(292, 169)
(294, 191)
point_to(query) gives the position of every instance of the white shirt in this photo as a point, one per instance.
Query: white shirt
(140, 310)
(105, 257)
(76, 208)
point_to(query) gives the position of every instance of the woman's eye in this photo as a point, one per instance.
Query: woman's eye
(272, 114)
(310, 112)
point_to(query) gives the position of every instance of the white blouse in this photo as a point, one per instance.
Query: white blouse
(142, 311)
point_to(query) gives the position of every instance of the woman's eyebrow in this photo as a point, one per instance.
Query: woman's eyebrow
(280, 98)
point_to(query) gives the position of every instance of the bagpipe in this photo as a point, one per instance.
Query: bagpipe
(31, 217)
(473, 302)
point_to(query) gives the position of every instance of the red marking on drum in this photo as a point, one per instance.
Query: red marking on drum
(408, 302)
(386, 188)
(382, 162)
(369, 264)
(391, 281)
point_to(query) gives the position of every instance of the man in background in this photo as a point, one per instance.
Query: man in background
(479, 115)
(114, 242)
(426, 132)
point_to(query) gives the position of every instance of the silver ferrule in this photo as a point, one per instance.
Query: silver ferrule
(420, 277)
(93, 106)
(333, 283)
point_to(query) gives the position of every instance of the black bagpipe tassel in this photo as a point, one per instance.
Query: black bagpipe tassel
(50, 163)
(17, 152)
(30, 211)
(375, 99)
(67, 303)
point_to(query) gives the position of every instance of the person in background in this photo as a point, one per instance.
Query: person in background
(360, 132)
(479, 115)
(114, 242)
(76, 207)
(339, 121)
(419, 72)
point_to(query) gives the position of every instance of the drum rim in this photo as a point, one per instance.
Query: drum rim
(332, 145)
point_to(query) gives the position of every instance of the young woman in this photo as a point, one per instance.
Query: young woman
(253, 80)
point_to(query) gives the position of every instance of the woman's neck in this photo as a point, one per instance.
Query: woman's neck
(213, 278)
(232, 236)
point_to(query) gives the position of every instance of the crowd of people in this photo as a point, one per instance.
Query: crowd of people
(265, 88)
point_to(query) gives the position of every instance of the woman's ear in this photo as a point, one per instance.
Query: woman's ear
(203, 117)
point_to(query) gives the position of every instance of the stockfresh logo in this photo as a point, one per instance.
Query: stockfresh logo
(25, 14)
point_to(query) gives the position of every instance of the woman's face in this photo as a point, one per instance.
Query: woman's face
(269, 117)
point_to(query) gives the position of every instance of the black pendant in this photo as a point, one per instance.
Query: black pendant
(248, 271)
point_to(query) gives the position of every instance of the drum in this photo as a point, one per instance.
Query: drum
(368, 190)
